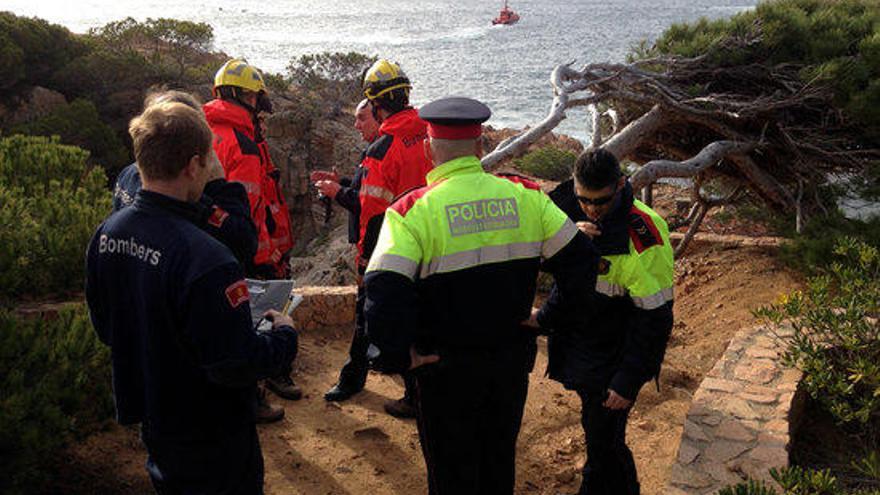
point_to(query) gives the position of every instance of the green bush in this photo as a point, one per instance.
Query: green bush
(55, 377)
(795, 480)
(31, 50)
(549, 163)
(335, 76)
(813, 250)
(50, 203)
(836, 340)
(80, 125)
(837, 42)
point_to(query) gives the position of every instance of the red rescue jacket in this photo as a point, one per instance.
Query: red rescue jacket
(395, 163)
(248, 162)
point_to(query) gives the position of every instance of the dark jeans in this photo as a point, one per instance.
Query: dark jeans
(231, 465)
(610, 469)
(469, 419)
(354, 372)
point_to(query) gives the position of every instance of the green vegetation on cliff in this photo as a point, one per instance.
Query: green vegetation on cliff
(836, 42)
(52, 201)
(55, 383)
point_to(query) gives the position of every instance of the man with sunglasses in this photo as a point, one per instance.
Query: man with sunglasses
(622, 348)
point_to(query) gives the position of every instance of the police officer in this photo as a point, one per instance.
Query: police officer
(395, 163)
(236, 118)
(451, 280)
(608, 362)
(224, 211)
(172, 303)
(346, 192)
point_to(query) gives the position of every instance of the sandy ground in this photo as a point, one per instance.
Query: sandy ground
(354, 448)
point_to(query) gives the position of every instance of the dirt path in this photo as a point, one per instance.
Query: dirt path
(355, 448)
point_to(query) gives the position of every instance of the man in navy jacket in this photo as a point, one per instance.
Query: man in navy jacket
(172, 303)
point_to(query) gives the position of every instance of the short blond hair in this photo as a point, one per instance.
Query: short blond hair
(160, 94)
(166, 136)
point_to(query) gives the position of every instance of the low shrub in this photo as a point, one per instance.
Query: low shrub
(80, 125)
(549, 163)
(51, 200)
(54, 387)
(795, 480)
(836, 340)
(334, 76)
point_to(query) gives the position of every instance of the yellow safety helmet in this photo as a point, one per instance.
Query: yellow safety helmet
(382, 77)
(237, 72)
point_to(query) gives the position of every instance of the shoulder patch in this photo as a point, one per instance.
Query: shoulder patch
(379, 148)
(642, 230)
(237, 293)
(520, 179)
(218, 216)
(247, 145)
(405, 201)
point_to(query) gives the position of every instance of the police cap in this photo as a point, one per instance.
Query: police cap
(455, 118)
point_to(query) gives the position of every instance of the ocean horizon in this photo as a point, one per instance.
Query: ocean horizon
(445, 47)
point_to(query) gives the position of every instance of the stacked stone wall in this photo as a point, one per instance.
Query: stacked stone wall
(325, 307)
(740, 421)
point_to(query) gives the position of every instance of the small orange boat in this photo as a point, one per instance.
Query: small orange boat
(506, 16)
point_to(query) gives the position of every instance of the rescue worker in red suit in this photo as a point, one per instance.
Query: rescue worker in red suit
(395, 164)
(235, 119)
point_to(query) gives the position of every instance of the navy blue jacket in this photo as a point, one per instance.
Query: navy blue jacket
(588, 357)
(172, 303)
(224, 212)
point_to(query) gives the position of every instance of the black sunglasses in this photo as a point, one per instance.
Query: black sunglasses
(597, 201)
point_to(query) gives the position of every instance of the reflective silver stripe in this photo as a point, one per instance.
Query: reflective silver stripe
(394, 263)
(376, 192)
(609, 289)
(481, 256)
(655, 300)
(559, 240)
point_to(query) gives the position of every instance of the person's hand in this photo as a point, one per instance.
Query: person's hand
(278, 319)
(616, 401)
(319, 175)
(328, 188)
(417, 359)
(215, 169)
(532, 321)
(590, 229)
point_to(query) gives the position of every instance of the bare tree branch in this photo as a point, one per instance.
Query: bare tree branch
(708, 156)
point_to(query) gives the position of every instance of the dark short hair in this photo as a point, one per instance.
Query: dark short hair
(166, 137)
(394, 101)
(597, 169)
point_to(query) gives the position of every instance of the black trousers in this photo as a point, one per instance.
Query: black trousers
(232, 465)
(354, 372)
(470, 410)
(610, 469)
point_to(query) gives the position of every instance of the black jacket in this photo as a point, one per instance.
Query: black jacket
(223, 212)
(348, 197)
(172, 304)
(622, 346)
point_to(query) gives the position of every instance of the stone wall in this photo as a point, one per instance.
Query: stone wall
(741, 417)
(325, 307)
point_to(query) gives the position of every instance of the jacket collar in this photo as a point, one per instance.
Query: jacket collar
(404, 121)
(463, 165)
(153, 202)
(227, 113)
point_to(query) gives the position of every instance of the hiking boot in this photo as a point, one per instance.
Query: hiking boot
(400, 408)
(284, 387)
(341, 391)
(266, 411)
